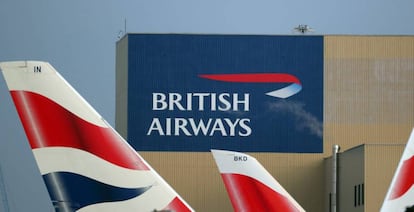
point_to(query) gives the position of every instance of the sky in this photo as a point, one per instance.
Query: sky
(78, 38)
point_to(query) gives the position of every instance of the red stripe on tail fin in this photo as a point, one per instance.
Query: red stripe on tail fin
(47, 124)
(247, 194)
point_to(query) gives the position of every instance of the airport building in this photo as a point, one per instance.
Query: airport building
(286, 100)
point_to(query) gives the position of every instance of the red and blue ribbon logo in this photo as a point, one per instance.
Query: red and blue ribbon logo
(283, 93)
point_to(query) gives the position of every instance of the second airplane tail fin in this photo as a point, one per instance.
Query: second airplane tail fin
(250, 186)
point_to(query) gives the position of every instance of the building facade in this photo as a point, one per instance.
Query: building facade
(366, 94)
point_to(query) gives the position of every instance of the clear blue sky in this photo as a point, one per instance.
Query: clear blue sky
(78, 38)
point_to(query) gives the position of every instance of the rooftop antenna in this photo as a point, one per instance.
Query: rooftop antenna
(303, 29)
(122, 33)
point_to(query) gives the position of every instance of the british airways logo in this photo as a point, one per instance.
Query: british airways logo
(285, 92)
(246, 93)
(204, 102)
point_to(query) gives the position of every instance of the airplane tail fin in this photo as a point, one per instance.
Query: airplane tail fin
(86, 165)
(250, 186)
(400, 195)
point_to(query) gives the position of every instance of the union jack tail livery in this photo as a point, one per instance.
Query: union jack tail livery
(86, 165)
(400, 195)
(250, 186)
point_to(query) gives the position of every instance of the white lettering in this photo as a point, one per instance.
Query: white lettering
(244, 125)
(175, 99)
(218, 126)
(232, 125)
(200, 102)
(244, 102)
(168, 126)
(201, 97)
(191, 127)
(213, 102)
(158, 101)
(200, 126)
(189, 102)
(155, 125)
(180, 125)
(225, 104)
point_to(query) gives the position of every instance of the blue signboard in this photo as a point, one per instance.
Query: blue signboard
(245, 93)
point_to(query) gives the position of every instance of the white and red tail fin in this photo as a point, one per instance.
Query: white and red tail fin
(85, 163)
(250, 186)
(400, 195)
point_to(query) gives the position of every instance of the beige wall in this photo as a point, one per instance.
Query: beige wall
(368, 98)
(369, 89)
(121, 83)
